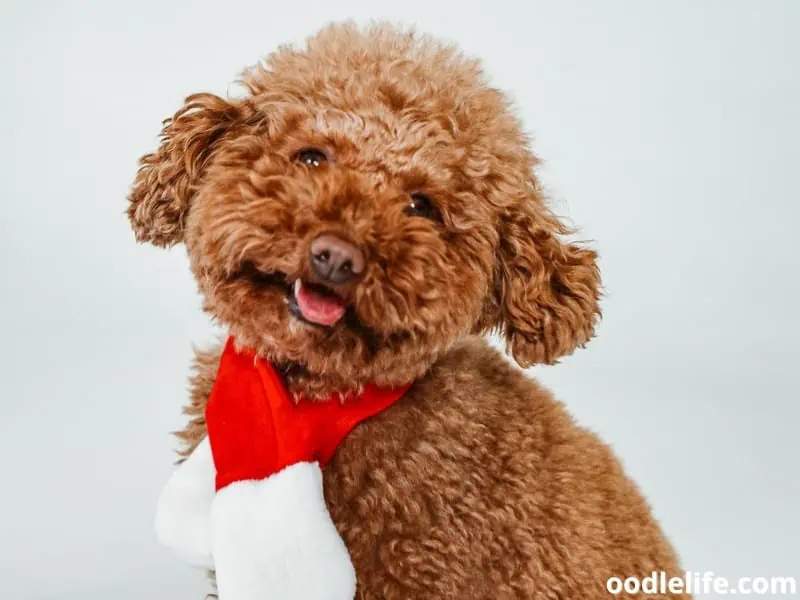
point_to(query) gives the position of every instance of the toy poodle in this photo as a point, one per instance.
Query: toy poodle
(364, 215)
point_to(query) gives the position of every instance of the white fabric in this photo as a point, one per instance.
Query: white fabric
(274, 538)
(182, 514)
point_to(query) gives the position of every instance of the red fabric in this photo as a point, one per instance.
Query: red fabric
(256, 430)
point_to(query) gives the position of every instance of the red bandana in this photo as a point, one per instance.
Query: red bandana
(256, 430)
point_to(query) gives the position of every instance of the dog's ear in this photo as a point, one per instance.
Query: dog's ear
(168, 178)
(547, 291)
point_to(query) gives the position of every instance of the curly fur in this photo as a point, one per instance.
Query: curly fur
(477, 484)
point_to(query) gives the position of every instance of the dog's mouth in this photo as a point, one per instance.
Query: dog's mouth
(309, 302)
(315, 304)
(318, 306)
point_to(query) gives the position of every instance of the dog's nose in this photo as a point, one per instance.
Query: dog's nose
(335, 260)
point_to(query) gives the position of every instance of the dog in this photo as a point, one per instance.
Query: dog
(364, 214)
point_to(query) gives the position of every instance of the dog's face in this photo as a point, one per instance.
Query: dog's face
(368, 203)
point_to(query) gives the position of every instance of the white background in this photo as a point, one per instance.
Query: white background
(670, 132)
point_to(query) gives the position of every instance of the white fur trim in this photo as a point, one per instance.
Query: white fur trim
(274, 538)
(184, 506)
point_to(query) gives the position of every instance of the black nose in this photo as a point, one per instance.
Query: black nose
(335, 260)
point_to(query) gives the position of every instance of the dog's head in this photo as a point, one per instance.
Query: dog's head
(370, 201)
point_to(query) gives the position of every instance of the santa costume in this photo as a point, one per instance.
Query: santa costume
(248, 502)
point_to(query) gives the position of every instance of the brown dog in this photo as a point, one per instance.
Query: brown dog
(379, 169)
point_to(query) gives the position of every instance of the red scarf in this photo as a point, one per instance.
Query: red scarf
(256, 430)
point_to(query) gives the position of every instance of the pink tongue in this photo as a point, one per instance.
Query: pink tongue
(317, 308)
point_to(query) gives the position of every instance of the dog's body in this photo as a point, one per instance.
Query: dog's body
(479, 485)
(360, 217)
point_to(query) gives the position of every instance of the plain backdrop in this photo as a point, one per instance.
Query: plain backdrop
(670, 136)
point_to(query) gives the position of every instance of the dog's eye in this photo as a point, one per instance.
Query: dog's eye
(311, 157)
(422, 206)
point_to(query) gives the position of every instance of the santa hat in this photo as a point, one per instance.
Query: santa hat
(248, 502)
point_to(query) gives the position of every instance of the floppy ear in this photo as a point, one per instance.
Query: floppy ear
(546, 290)
(168, 178)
